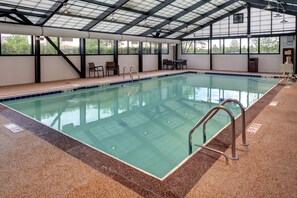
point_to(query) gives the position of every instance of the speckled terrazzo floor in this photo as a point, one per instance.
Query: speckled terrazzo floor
(32, 167)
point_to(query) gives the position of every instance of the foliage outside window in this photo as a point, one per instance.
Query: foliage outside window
(123, 47)
(254, 45)
(133, 47)
(146, 47)
(232, 46)
(106, 47)
(165, 48)
(46, 47)
(15, 44)
(244, 45)
(269, 45)
(91, 46)
(201, 47)
(154, 48)
(188, 47)
(69, 45)
(217, 46)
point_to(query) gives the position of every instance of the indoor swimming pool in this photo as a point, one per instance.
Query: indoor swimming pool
(144, 124)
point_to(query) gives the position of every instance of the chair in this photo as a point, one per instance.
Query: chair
(184, 64)
(165, 63)
(111, 66)
(95, 69)
(170, 64)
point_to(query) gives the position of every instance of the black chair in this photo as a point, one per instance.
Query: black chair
(95, 69)
(111, 66)
(165, 63)
(184, 64)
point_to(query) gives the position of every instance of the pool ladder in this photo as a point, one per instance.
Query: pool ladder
(208, 116)
(130, 72)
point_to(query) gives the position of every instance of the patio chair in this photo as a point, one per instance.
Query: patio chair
(111, 66)
(184, 64)
(95, 69)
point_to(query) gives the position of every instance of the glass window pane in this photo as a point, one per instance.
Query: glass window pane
(106, 47)
(15, 44)
(154, 48)
(254, 45)
(244, 45)
(69, 45)
(232, 46)
(269, 45)
(123, 47)
(46, 47)
(165, 48)
(188, 47)
(202, 47)
(91, 46)
(146, 48)
(217, 46)
(133, 47)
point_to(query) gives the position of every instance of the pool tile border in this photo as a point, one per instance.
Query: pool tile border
(178, 184)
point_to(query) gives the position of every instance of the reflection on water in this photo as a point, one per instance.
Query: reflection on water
(145, 124)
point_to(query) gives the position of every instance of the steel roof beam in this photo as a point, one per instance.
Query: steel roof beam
(264, 3)
(105, 14)
(218, 8)
(184, 12)
(143, 17)
(53, 10)
(211, 22)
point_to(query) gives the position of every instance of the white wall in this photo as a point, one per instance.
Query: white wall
(150, 62)
(230, 62)
(56, 68)
(128, 60)
(16, 70)
(196, 61)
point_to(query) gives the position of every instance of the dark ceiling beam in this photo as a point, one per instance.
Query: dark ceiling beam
(143, 17)
(274, 9)
(211, 22)
(15, 19)
(20, 12)
(21, 7)
(105, 14)
(21, 16)
(218, 8)
(177, 16)
(262, 4)
(53, 10)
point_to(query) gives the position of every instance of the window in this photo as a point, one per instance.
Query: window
(188, 47)
(254, 45)
(91, 46)
(146, 47)
(269, 45)
(165, 48)
(46, 47)
(123, 47)
(154, 48)
(232, 46)
(217, 46)
(201, 47)
(69, 45)
(133, 47)
(244, 45)
(106, 47)
(16, 44)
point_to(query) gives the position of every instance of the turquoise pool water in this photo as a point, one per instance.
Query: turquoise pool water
(145, 124)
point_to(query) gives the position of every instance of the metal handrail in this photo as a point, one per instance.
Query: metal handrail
(131, 68)
(244, 143)
(216, 151)
(125, 67)
(219, 107)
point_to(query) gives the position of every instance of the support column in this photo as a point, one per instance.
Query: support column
(116, 54)
(248, 32)
(295, 68)
(210, 48)
(159, 56)
(82, 57)
(140, 58)
(37, 60)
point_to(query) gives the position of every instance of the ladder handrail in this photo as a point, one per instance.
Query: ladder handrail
(218, 107)
(135, 72)
(124, 68)
(244, 143)
(214, 150)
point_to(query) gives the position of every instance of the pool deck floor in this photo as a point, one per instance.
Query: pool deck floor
(32, 167)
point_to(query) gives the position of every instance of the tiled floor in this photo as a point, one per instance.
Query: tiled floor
(32, 167)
